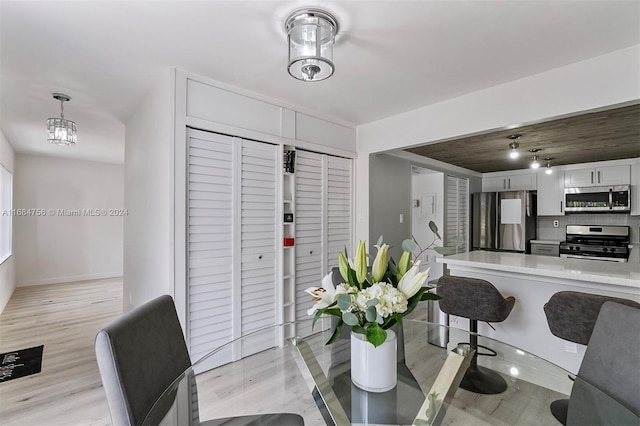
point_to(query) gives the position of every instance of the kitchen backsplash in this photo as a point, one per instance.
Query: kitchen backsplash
(546, 231)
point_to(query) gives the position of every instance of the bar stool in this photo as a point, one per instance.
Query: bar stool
(571, 316)
(477, 300)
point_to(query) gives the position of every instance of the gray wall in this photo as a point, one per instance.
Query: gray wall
(389, 197)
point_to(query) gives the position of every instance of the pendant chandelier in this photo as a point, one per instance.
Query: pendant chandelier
(311, 34)
(61, 131)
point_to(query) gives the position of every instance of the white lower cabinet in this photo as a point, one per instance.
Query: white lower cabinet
(551, 193)
(231, 241)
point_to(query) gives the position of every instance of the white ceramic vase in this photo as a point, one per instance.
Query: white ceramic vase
(374, 369)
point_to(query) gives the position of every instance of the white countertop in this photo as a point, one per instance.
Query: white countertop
(597, 271)
(552, 242)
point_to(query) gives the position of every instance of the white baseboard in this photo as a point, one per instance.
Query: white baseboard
(75, 278)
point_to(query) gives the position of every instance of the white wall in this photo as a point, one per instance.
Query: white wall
(428, 183)
(602, 81)
(148, 244)
(7, 269)
(57, 247)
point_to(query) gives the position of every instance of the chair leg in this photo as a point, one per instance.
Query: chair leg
(480, 379)
(559, 410)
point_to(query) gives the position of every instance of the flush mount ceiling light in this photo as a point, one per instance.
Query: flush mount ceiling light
(311, 34)
(59, 130)
(514, 145)
(548, 170)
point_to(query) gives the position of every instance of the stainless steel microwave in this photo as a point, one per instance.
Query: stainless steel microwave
(595, 199)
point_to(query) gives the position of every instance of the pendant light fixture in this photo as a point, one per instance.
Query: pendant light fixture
(534, 159)
(61, 131)
(514, 145)
(548, 169)
(310, 35)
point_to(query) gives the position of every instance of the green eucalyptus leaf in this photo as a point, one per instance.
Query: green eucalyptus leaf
(350, 318)
(409, 245)
(373, 302)
(434, 229)
(376, 335)
(336, 333)
(370, 314)
(445, 250)
(344, 301)
(379, 318)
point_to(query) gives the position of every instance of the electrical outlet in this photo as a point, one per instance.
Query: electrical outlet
(401, 218)
(556, 223)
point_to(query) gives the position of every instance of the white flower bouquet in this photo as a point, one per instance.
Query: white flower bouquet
(371, 302)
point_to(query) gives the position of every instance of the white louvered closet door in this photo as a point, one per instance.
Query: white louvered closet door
(339, 208)
(309, 230)
(210, 233)
(232, 190)
(258, 243)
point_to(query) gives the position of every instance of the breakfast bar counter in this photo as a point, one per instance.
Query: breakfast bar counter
(533, 280)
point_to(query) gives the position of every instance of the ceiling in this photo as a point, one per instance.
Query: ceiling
(599, 136)
(390, 56)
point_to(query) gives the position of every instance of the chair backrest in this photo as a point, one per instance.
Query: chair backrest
(473, 298)
(571, 315)
(139, 355)
(611, 370)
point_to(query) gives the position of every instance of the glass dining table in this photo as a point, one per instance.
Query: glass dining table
(289, 368)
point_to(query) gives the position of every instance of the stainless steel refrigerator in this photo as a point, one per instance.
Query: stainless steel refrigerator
(503, 221)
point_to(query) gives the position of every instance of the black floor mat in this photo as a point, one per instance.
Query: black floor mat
(20, 363)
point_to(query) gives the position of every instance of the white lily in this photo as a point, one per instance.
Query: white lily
(323, 296)
(413, 280)
(380, 263)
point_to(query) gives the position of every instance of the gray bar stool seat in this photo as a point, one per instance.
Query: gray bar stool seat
(477, 300)
(571, 316)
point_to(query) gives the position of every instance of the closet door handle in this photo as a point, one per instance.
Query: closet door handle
(260, 257)
(310, 251)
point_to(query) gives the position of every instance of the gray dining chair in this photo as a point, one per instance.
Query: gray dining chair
(140, 354)
(607, 387)
(572, 316)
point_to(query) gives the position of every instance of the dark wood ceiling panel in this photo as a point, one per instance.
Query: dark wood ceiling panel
(599, 136)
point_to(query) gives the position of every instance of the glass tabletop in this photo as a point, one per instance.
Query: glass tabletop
(288, 368)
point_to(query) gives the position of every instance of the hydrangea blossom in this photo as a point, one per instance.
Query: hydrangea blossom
(390, 299)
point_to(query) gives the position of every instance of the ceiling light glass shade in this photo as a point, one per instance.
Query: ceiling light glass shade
(514, 146)
(59, 130)
(535, 164)
(549, 170)
(311, 34)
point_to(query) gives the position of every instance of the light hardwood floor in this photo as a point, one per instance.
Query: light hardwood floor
(65, 318)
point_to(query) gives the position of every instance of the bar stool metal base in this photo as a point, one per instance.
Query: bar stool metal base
(483, 380)
(559, 409)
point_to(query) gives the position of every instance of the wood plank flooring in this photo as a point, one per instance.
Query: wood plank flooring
(65, 318)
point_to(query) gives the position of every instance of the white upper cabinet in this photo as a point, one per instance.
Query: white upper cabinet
(509, 182)
(551, 193)
(593, 176)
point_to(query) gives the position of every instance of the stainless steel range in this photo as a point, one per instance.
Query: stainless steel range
(596, 242)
